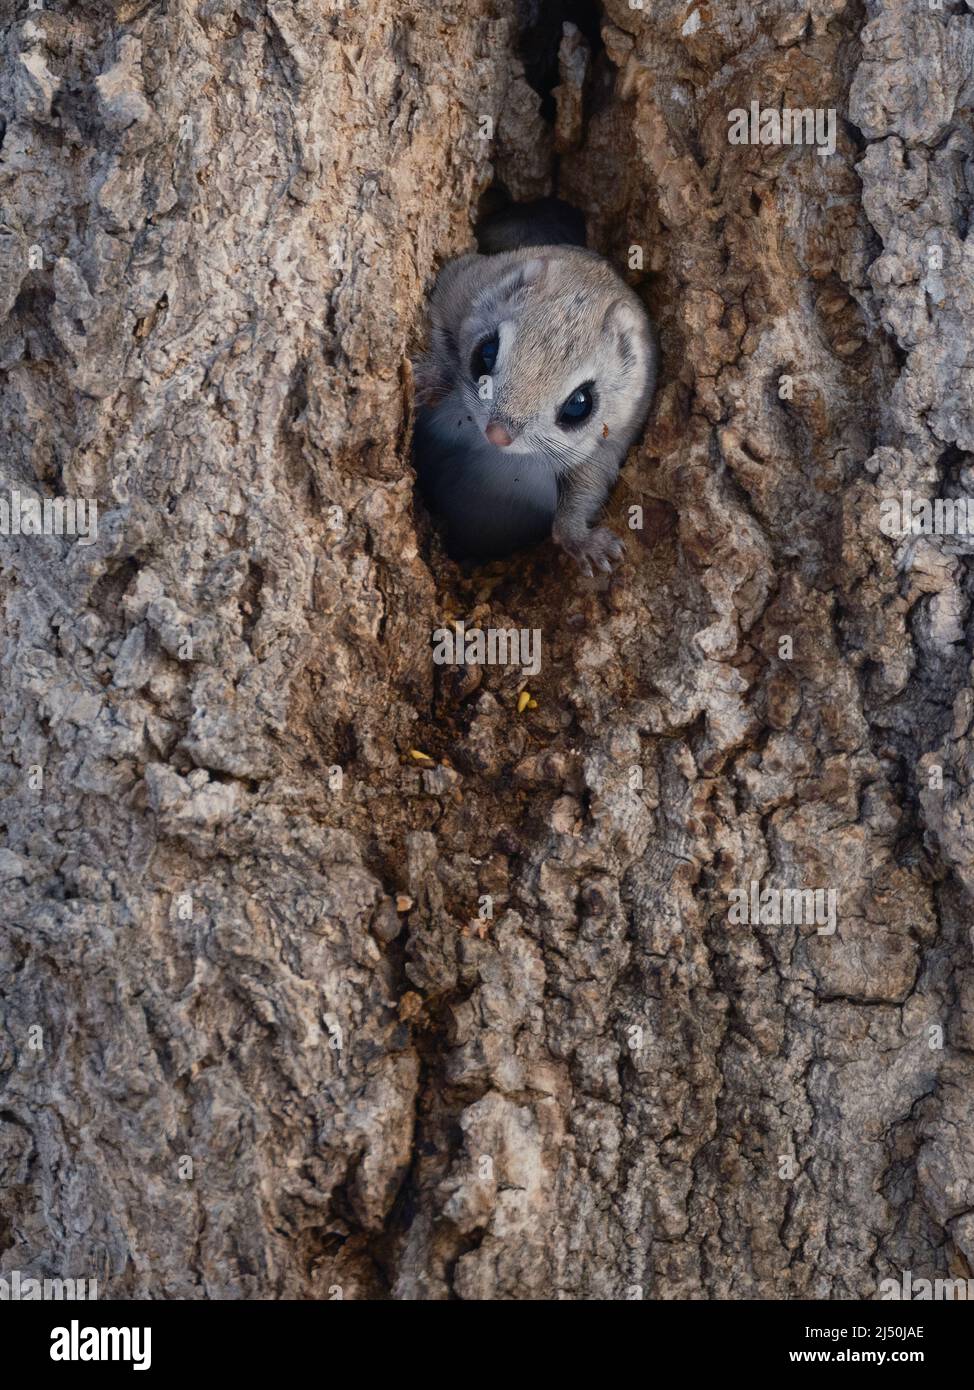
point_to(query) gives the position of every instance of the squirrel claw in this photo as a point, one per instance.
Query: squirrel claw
(600, 547)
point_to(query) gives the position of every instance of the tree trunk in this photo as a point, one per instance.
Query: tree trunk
(292, 1012)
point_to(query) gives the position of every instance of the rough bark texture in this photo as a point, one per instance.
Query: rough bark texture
(241, 208)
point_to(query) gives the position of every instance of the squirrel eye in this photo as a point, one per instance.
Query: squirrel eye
(484, 358)
(578, 406)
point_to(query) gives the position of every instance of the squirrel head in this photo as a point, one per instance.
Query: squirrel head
(554, 356)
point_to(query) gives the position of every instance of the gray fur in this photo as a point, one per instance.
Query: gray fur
(542, 222)
(565, 318)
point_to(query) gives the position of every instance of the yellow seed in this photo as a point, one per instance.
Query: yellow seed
(420, 756)
(532, 704)
(523, 700)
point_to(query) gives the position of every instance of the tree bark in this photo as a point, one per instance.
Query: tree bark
(292, 1012)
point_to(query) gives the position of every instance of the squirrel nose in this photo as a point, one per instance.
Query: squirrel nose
(497, 434)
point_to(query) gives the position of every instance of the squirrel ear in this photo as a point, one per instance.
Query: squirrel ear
(519, 277)
(620, 317)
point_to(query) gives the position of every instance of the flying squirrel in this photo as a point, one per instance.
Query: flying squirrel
(540, 373)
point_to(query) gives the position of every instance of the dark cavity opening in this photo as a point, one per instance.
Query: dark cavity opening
(539, 24)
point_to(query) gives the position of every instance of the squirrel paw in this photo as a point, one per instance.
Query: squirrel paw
(599, 548)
